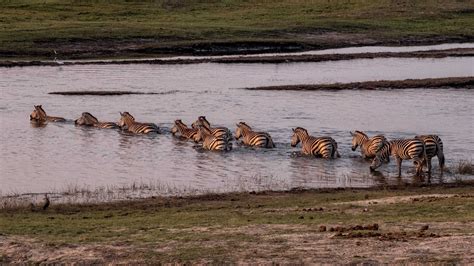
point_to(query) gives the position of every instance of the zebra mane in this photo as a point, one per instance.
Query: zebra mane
(244, 124)
(361, 133)
(127, 114)
(90, 115)
(180, 122)
(300, 129)
(39, 109)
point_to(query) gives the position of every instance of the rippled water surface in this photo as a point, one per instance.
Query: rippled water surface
(60, 155)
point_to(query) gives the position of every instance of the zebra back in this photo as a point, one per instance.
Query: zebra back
(253, 138)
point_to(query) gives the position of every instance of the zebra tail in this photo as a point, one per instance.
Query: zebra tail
(441, 159)
(270, 143)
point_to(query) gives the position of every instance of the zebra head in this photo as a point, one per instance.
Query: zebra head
(38, 114)
(202, 121)
(86, 119)
(176, 125)
(125, 119)
(357, 138)
(241, 126)
(298, 134)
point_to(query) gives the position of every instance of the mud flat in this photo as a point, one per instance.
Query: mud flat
(378, 225)
(455, 82)
(273, 59)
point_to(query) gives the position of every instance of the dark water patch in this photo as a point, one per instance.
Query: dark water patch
(455, 82)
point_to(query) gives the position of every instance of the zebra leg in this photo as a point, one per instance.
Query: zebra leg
(399, 163)
(428, 164)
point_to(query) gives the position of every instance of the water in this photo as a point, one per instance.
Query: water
(61, 155)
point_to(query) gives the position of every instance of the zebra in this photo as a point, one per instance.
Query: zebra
(434, 147)
(185, 132)
(325, 147)
(401, 149)
(252, 138)
(87, 119)
(127, 122)
(216, 131)
(39, 116)
(211, 142)
(368, 146)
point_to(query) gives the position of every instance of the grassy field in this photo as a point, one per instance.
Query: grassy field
(34, 28)
(388, 225)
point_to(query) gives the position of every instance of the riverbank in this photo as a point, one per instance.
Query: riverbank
(123, 29)
(382, 225)
(261, 59)
(454, 82)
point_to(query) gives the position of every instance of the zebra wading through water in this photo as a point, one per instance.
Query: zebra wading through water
(39, 116)
(87, 119)
(325, 147)
(253, 138)
(183, 130)
(127, 123)
(368, 146)
(401, 149)
(216, 131)
(211, 142)
(434, 147)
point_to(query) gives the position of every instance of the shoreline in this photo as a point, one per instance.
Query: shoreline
(296, 226)
(261, 58)
(453, 82)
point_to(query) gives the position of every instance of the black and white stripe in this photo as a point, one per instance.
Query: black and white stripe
(39, 116)
(183, 130)
(215, 131)
(401, 149)
(211, 142)
(434, 147)
(87, 119)
(325, 147)
(252, 138)
(127, 123)
(368, 146)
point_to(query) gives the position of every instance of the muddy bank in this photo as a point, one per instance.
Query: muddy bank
(144, 47)
(456, 82)
(404, 225)
(464, 52)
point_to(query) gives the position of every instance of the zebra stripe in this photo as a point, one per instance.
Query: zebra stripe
(87, 119)
(401, 149)
(39, 116)
(434, 147)
(325, 147)
(127, 122)
(252, 138)
(216, 131)
(211, 142)
(368, 146)
(184, 131)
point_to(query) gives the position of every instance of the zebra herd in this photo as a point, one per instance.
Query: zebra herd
(421, 149)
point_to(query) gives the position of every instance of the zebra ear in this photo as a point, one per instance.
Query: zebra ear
(352, 134)
(121, 113)
(237, 125)
(293, 129)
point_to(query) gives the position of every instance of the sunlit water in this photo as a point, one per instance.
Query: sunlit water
(61, 155)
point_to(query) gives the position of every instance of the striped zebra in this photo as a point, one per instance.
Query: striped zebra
(216, 131)
(211, 142)
(434, 147)
(368, 146)
(401, 149)
(252, 138)
(184, 131)
(39, 116)
(127, 122)
(325, 147)
(87, 119)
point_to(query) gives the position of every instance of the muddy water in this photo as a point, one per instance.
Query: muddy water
(61, 155)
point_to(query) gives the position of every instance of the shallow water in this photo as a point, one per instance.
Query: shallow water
(62, 155)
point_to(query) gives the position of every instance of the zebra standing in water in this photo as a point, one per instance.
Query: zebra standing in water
(252, 138)
(434, 147)
(368, 146)
(127, 122)
(325, 147)
(187, 133)
(401, 149)
(87, 119)
(216, 131)
(39, 116)
(211, 142)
